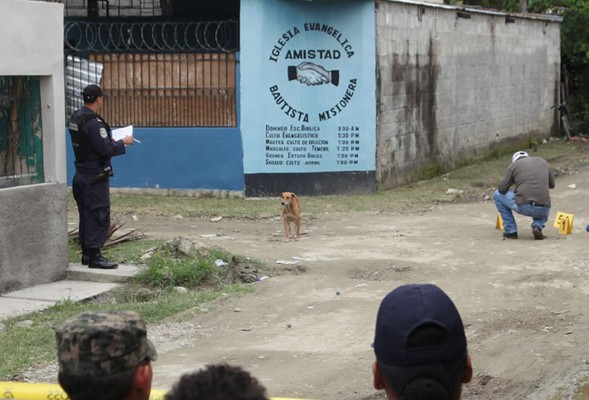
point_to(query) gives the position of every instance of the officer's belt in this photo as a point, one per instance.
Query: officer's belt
(538, 204)
(91, 166)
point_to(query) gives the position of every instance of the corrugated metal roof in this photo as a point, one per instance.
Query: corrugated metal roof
(79, 73)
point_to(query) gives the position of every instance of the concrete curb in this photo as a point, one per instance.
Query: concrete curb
(82, 283)
(122, 274)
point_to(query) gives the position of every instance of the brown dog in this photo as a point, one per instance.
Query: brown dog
(291, 212)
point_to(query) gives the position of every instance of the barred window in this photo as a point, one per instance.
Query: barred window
(21, 145)
(117, 8)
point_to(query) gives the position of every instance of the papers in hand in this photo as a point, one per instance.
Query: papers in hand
(119, 133)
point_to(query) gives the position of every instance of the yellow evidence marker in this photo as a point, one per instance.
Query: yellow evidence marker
(499, 222)
(564, 223)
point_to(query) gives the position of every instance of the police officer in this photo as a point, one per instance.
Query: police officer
(93, 148)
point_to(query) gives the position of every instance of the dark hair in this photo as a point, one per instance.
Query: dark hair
(217, 382)
(425, 389)
(436, 381)
(446, 387)
(113, 387)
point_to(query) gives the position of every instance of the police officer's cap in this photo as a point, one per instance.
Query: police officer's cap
(91, 93)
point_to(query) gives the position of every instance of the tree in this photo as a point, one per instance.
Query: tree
(575, 55)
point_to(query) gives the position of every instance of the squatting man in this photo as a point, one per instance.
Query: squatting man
(532, 179)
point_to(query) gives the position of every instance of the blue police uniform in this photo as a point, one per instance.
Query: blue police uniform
(93, 148)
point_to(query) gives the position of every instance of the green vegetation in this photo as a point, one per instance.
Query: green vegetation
(128, 253)
(575, 55)
(430, 171)
(151, 294)
(30, 346)
(165, 269)
(184, 271)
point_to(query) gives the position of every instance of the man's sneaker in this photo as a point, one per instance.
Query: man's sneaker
(85, 259)
(537, 231)
(512, 235)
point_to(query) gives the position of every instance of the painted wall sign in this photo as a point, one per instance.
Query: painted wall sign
(308, 99)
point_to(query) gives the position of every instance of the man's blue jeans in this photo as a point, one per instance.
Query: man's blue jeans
(506, 205)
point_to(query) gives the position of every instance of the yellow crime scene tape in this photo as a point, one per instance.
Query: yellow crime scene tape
(52, 391)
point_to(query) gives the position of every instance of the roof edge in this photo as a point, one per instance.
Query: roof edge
(477, 10)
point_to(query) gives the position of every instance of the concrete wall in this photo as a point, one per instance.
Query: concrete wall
(33, 228)
(455, 83)
(33, 242)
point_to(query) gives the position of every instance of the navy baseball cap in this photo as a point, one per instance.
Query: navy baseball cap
(408, 309)
(91, 93)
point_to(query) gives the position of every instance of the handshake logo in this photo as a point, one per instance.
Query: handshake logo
(311, 74)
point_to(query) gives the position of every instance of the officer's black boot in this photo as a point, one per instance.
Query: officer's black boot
(97, 260)
(85, 256)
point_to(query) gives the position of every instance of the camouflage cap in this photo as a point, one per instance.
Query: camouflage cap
(102, 343)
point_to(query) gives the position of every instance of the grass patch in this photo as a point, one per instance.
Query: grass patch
(34, 345)
(167, 269)
(184, 271)
(125, 253)
(190, 207)
(152, 294)
(475, 180)
(430, 171)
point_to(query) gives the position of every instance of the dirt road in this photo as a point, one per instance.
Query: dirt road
(308, 333)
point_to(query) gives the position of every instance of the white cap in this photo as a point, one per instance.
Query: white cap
(517, 155)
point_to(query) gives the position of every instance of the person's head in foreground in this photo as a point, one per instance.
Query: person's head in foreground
(105, 355)
(420, 345)
(218, 382)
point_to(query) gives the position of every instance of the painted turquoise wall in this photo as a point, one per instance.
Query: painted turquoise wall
(177, 158)
(309, 87)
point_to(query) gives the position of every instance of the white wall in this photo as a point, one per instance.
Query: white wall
(33, 227)
(453, 88)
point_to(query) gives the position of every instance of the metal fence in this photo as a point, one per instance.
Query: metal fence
(158, 74)
(21, 146)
